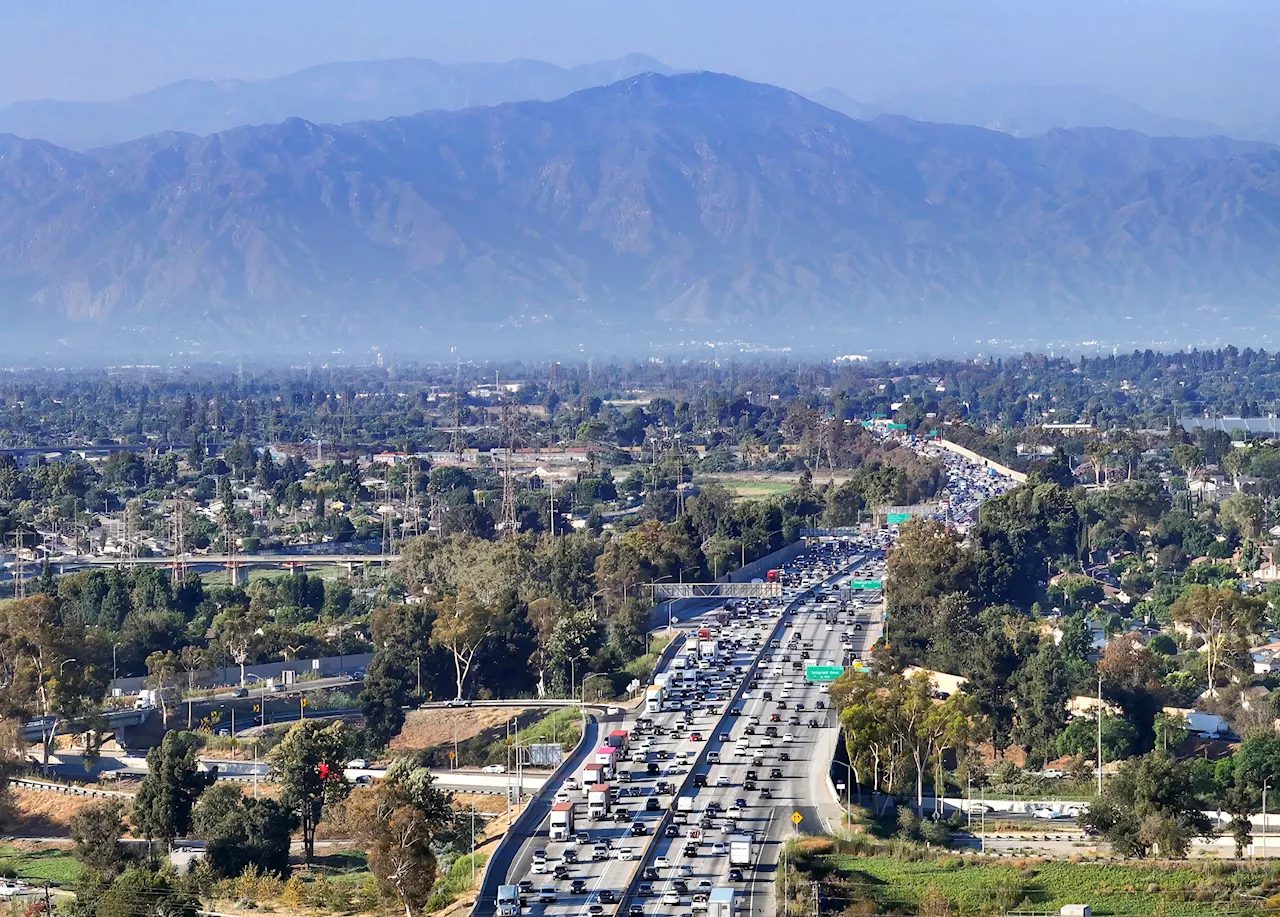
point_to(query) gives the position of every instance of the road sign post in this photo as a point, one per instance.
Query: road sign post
(796, 818)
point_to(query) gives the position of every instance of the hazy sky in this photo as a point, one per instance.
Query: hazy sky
(1212, 59)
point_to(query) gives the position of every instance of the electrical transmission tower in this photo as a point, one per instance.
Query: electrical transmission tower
(412, 508)
(508, 523)
(456, 443)
(19, 568)
(178, 529)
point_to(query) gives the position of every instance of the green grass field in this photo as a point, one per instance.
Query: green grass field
(54, 865)
(749, 490)
(1134, 890)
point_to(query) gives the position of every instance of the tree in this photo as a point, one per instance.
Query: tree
(1148, 807)
(96, 831)
(143, 893)
(1188, 458)
(1242, 512)
(239, 830)
(308, 764)
(399, 823)
(401, 635)
(1041, 692)
(162, 675)
(167, 794)
(1221, 616)
(462, 626)
(1098, 451)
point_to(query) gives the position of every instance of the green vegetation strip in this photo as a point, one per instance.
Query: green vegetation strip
(54, 865)
(969, 884)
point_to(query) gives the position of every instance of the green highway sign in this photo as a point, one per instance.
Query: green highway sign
(896, 426)
(823, 672)
(897, 518)
(864, 584)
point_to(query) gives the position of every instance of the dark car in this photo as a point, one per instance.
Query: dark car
(672, 831)
(813, 721)
(748, 784)
(578, 886)
(622, 815)
(651, 872)
(785, 756)
(646, 890)
(652, 768)
(635, 911)
(699, 779)
(735, 875)
(570, 855)
(766, 793)
(735, 711)
(526, 886)
(680, 885)
(561, 872)
(776, 773)
(651, 804)
(637, 828)
(608, 896)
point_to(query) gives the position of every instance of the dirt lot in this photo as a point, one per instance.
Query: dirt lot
(43, 814)
(429, 728)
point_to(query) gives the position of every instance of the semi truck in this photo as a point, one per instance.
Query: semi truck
(740, 850)
(508, 901)
(619, 739)
(591, 775)
(653, 700)
(598, 801)
(708, 647)
(562, 821)
(605, 757)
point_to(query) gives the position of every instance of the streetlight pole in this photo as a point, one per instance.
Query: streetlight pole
(114, 670)
(1265, 784)
(1099, 735)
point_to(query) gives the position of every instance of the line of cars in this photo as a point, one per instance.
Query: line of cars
(660, 749)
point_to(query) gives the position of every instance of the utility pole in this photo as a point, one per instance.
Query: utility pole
(1099, 735)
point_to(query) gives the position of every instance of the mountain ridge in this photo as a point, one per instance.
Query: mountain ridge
(337, 92)
(659, 204)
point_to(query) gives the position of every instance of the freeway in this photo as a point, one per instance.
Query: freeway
(762, 780)
(602, 861)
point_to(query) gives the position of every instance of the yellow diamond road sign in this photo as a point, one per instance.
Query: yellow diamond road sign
(796, 818)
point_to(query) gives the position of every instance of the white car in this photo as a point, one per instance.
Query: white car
(671, 898)
(613, 711)
(626, 853)
(10, 889)
(1046, 812)
(359, 764)
(661, 863)
(684, 871)
(788, 738)
(494, 769)
(539, 867)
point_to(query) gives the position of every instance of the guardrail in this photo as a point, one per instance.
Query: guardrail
(68, 789)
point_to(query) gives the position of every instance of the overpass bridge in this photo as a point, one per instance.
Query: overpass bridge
(234, 564)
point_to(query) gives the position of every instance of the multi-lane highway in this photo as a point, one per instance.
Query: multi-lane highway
(654, 856)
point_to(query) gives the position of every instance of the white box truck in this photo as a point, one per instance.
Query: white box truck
(739, 850)
(508, 901)
(720, 902)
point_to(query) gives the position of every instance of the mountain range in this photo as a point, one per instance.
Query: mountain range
(328, 93)
(694, 205)
(1025, 110)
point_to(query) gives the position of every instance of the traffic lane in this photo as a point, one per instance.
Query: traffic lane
(618, 873)
(718, 791)
(612, 873)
